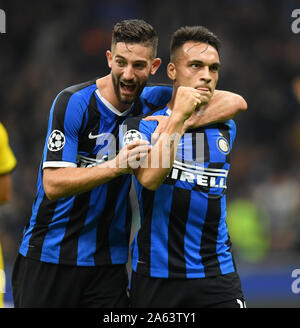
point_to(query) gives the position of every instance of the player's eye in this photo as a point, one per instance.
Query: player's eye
(139, 65)
(120, 63)
(214, 68)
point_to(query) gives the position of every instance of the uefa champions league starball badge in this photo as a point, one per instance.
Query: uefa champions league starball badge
(131, 136)
(56, 140)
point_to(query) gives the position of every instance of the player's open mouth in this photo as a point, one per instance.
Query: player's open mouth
(128, 87)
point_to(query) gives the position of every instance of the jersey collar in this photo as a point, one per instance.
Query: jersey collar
(110, 106)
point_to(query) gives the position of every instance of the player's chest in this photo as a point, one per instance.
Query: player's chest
(100, 141)
(204, 146)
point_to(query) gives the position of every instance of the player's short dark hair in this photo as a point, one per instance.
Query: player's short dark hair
(193, 33)
(135, 31)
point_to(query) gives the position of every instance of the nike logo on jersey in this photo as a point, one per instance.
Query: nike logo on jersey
(95, 136)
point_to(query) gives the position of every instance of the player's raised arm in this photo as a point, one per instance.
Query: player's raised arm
(161, 156)
(223, 106)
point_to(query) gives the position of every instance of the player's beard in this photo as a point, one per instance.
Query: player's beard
(127, 99)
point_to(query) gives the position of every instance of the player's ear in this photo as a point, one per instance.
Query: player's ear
(155, 65)
(171, 71)
(109, 58)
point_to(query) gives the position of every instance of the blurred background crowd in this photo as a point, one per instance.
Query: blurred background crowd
(50, 45)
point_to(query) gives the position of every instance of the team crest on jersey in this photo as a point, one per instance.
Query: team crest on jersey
(56, 140)
(130, 136)
(223, 145)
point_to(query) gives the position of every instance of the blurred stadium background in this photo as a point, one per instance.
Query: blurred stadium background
(50, 45)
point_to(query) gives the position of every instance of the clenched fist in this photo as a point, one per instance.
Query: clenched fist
(187, 99)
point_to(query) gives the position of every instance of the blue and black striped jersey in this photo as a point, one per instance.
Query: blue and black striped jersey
(90, 228)
(183, 231)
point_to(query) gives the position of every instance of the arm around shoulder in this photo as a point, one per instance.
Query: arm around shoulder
(234, 100)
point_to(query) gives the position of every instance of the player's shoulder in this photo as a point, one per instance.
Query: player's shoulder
(140, 124)
(132, 122)
(78, 91)
(137, 119)
(225, 125)
(155, 88)
(157, 94)
(77, 95)
(80, 88)
(230, 124)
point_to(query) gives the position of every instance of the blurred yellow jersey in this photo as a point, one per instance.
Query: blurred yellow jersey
(7, 158)
(7, 164)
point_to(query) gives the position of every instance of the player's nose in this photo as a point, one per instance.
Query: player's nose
(128, 73)
(205, 74)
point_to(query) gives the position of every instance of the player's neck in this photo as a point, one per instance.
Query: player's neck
(106, 88)
(170, 104)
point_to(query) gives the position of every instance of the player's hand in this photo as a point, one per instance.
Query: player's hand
(186, 101)
(162, 123)
(132, 155)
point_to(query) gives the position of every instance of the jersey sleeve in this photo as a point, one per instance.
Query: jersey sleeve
(64, 124)
(155, 97)
(232, 128)
(7, 157)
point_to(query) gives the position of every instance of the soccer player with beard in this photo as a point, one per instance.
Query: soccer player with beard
(74, 248)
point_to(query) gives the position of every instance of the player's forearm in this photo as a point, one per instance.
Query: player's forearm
(223, 106)
(161, 157)
(65, 182)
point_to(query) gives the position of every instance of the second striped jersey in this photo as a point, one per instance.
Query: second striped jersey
(183, 231)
